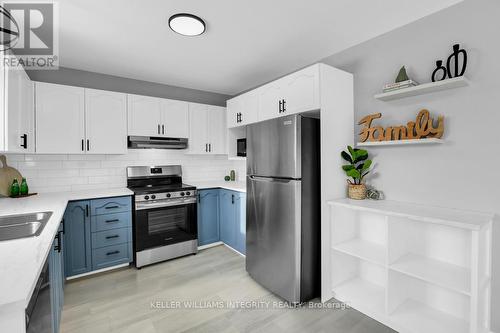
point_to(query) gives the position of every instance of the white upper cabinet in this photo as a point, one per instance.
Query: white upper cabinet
(207, 129)
(301, 91)
(295, 93)
(19, 111)
(105, 122)
(60, 125)
(144, 116)
(174, 119)
(243, 109)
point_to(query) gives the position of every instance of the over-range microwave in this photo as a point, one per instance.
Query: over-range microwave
(241, 147)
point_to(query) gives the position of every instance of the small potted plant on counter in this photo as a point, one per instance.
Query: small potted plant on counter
(357, 169)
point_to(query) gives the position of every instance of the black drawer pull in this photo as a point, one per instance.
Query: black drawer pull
(111, 207)
(111, 221)
(114, 236)
(112, 252)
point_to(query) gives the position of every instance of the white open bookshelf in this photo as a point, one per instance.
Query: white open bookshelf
(414, 268)
(425, 88)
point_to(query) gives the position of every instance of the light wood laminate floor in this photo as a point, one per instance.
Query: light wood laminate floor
(124, 301)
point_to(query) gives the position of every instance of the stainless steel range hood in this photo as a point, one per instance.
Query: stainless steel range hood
(152, 142)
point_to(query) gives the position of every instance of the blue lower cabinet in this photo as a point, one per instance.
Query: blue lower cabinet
(98, 234)
(208, 217)
(77, 242)
(56, 277)
(240, 221)
(227, 215)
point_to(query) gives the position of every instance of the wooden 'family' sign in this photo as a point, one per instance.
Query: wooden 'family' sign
(422, 128)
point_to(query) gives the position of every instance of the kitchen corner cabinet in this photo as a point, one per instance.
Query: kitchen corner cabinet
(77, 252)
(233, 219)
(98, 234)
(242, 110)
(19, 111)
(158, 117)
(207, 130)
(74, 120)
(208, 217)
(221, 217)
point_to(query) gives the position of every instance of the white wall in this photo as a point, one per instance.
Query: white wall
(54, 173)
(461, 173)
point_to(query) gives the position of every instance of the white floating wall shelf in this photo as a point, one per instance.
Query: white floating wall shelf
(425, 88)
(400, 142)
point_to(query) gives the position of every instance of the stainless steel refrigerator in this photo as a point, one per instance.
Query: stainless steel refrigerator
(283, 206)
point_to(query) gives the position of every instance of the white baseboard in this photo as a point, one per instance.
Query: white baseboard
(238, 252)
(97, 271)
(207, 246)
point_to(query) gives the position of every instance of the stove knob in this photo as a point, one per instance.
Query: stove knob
(146, 197)
(188, 193)
(182, 194)
(153, 197)
(168, 195)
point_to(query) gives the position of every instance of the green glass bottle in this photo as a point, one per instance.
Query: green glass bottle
(24, 187)
(14, 188)
(233, 175)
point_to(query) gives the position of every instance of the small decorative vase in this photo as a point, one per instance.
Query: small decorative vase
(357, 192)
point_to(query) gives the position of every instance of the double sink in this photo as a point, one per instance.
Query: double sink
(23, 225)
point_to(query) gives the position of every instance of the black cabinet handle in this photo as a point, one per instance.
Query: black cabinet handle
(114, 236)
(206, 147)
(237, 118)
(209, 147)
(199, 198)
(232, 198)
(111, 207)
(64, 227)
(158, 128)
(162, 129)
(284, 106)
(83, 145)
(112, 221)
(25, 141)
(87, 210)
(280, 110)
(88, 144)
(58, 246)
(112, 252)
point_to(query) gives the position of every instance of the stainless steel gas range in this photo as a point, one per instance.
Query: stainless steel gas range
(165, 214)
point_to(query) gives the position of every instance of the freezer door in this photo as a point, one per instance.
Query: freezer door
(273, 148)
(273, 235)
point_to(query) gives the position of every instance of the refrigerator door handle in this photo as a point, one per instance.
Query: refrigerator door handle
(271, 179)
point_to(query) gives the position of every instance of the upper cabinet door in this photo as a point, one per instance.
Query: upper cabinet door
(250, 113)
(144, 115)
(198, 128)
(234, 109)
(60, 126)
(174, 119)
(217, 130)
(301, 91)
(270, 97)
(106, 122)
(20, 113)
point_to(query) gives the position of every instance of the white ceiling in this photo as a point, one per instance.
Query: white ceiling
(247, 42)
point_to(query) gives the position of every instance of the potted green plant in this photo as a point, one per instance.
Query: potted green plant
(357, 169)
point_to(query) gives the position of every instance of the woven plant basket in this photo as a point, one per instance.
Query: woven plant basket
(357, 192)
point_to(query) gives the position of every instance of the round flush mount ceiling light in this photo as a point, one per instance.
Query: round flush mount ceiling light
(186, 24)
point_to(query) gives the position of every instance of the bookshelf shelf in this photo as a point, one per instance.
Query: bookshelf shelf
(425, 88)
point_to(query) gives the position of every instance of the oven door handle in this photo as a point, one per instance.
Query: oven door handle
(171, 203)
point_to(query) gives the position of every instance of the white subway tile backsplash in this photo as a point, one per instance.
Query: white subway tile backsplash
(55, 173)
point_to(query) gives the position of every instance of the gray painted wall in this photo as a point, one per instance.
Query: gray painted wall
(93, 80)
(462, 172)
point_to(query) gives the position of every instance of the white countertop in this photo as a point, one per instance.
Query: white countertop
(239, 186)
(21, 260)
(453, 217)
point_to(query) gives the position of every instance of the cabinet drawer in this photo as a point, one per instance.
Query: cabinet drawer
(110, 205)
(111, 237)
(111, 221)
(111, 255)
